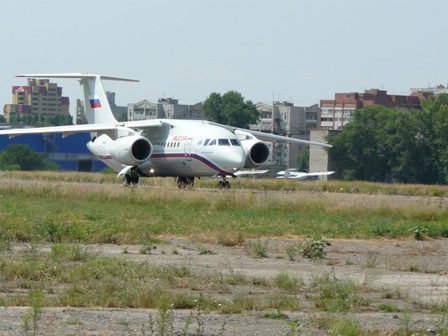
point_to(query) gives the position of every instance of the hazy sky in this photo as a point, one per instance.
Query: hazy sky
(295, 50)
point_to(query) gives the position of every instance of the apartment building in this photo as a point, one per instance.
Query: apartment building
(39, 98)
(430, 90)
(284, 118)
(165, 108)
(338, 112)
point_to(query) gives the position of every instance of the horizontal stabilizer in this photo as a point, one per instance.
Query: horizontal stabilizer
(75, 76)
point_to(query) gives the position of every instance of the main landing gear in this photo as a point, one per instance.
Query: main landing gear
(131, 177)
(184, 182)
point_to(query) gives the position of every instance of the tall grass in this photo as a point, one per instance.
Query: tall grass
(97, 212)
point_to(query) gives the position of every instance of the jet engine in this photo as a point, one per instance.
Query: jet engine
(257, 153)
(131, 150)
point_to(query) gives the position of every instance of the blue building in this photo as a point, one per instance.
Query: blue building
(69, 153)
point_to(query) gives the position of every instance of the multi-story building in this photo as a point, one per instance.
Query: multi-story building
(165, 108)
(284, 118)
(339, 111)
(39, 98)
(436, 90)
(119, 112)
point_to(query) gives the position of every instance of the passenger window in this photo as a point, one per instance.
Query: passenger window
(223, 142)
(235, 142)
(212, 143)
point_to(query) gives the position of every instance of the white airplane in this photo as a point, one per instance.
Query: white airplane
(301, 176)
(184, 149)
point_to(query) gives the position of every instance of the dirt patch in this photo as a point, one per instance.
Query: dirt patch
(390, 273)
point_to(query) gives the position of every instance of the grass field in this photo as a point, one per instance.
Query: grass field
(50, 208)
(65, 211)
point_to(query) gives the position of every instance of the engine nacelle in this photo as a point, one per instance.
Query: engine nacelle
(131, 150)
(257, 153)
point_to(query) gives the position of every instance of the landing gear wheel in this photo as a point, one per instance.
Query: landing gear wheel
(131, 178)
(223, 185)
(183, 182)
(127, 180)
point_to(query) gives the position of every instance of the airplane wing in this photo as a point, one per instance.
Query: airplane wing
(288, 174)
(268, 136)
(250, 172)
(87, 128)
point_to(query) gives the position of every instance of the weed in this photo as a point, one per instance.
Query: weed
(314, 249)
(405, 321)
(294, 328)
(148, 245)
(276, 315)
(346, 326)
(382, 229)
(164, 317)
(34, 312)
(419, 232)
(388, 307)
(205, 251)
(5, 245)
(259, 248)
(284, 302)
(230, 239)
(337, 295)
(372, 260)
(414, 268)
(291, 252)
(286, 282)
(147, 249)
(70, 252)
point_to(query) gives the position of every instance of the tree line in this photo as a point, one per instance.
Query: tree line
(22, 157)
(394, 144)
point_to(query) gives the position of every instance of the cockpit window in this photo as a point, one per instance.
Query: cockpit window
(223, 142)
(235, 142)
(212, 143)
(206, 142)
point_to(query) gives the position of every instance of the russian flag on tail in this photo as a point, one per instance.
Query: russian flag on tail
(95, 103)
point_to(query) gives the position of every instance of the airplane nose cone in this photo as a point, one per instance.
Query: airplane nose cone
(236, 161)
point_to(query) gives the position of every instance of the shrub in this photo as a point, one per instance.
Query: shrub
(314, 249)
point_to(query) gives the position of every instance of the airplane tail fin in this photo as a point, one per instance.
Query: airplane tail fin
(96, 104)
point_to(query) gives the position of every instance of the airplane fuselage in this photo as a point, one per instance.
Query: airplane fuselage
(187, 148)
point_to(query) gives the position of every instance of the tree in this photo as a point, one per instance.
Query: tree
(382, 144)
(230, 109)
(21, 157)
(39, 120)
(303, 160)
(434, 136)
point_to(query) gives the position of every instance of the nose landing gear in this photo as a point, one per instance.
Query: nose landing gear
(224, 184)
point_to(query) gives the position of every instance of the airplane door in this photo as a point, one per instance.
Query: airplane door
(187, 149)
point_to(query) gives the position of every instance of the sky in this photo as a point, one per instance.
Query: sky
(299, 51)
